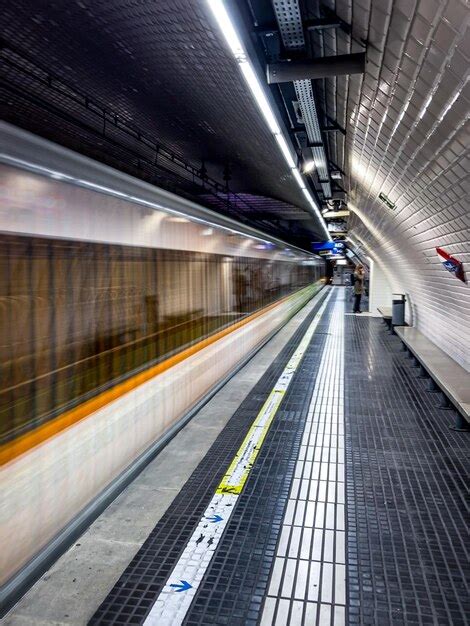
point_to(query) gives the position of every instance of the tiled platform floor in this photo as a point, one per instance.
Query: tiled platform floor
(308, 581)
(407, 489)
(287, 557)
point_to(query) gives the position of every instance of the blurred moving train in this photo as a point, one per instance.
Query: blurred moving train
(121, 308)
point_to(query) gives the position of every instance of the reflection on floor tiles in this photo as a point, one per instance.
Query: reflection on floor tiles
(407, 486)
(308, 579)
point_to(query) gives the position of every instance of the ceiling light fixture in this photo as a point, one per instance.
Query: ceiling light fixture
(298, 178)
(234, 42)
(308, 166)
(282, 143)
(306, 193)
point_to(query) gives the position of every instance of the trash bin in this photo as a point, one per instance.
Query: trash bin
(398, 309)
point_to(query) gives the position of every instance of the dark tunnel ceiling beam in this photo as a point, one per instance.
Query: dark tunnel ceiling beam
(289, 71)
(333, 129)
(322, 23)
(315, 24)
(334, 126)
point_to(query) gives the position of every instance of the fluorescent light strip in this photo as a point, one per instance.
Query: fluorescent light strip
(306, 193)
(227, 28)
(260, 97)
(282, 143)
(298, 178)
(234, 42)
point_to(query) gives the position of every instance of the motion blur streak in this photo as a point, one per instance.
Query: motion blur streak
(115, 320)
(80, 316)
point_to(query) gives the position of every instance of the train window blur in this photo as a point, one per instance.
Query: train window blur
(78, 317)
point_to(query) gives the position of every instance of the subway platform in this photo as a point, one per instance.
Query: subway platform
(322, 485)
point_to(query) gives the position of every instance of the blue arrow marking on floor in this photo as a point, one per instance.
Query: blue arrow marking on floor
(184, 586)
(215, 518)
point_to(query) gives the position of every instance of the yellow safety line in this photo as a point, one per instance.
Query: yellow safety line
(275, 397)
(270, 407)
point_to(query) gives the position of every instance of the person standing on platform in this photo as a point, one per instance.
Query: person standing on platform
(359, 275)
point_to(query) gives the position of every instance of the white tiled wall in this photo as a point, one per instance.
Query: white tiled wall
(409, 137)
(380, 293)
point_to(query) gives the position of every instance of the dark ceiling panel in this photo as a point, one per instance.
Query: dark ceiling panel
(163, 69)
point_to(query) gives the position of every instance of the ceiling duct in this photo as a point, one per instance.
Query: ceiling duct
(292, 33)
(338, 65)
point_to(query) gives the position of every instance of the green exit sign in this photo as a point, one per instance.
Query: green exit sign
(386, 200)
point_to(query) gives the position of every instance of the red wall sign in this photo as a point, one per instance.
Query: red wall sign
(451, 264)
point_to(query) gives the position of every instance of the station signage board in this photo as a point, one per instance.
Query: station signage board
(327, 248)
(336, 214)
(386, 200)
(451, 264)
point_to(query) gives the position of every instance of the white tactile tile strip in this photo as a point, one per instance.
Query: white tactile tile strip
(173, 603)
(308, 580)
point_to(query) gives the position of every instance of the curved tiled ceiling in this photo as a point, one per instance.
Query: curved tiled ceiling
(408, 138)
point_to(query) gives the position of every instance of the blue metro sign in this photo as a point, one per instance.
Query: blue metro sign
(330, 247)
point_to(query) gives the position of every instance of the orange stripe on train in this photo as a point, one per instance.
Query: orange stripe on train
(15, 448)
